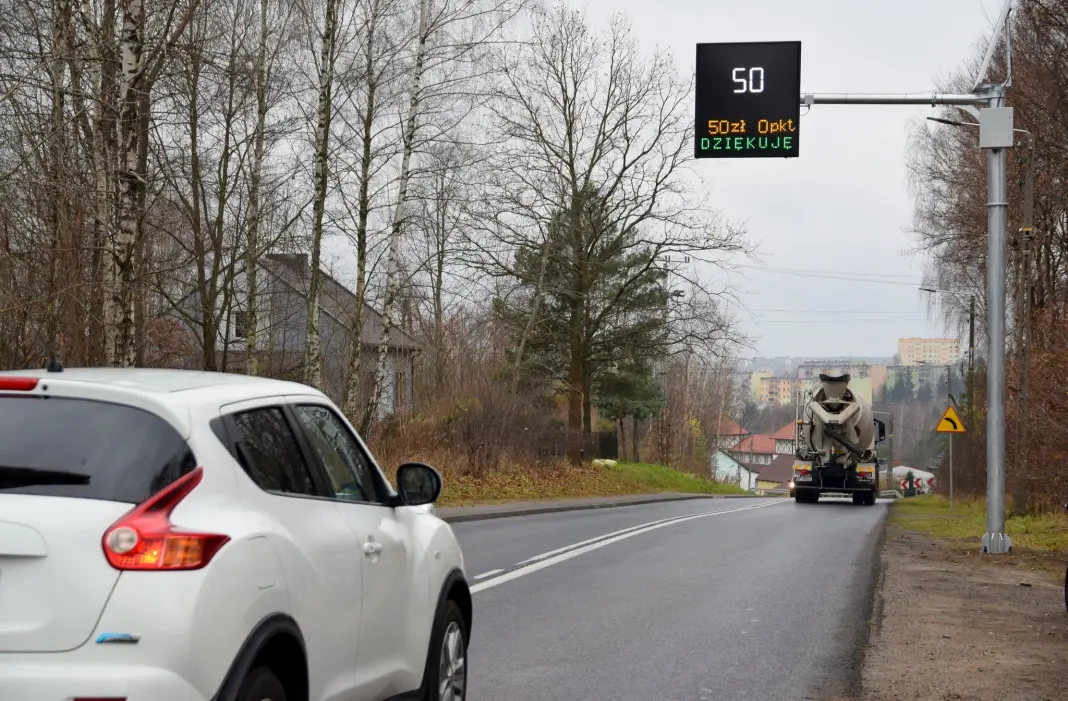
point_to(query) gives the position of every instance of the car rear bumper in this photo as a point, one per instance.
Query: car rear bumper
(38, 678)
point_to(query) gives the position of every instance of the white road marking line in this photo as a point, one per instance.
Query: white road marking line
(572, 546)
(487, 574)
(540, 562)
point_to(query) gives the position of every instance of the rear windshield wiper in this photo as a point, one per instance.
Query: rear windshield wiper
(13, 477)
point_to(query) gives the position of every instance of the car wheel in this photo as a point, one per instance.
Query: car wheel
(261, 685)
(446, 672)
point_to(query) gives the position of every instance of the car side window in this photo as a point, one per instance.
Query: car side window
(275, 462)
(351, 473)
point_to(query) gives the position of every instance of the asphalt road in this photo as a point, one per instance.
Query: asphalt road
(765, 599)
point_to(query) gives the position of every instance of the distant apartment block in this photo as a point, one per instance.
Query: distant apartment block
(928, 351)
(833, 367)
(783, 390)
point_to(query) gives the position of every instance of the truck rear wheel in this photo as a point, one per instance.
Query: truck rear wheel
(864, 498)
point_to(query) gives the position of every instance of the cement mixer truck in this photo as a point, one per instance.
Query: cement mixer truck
(836, 435)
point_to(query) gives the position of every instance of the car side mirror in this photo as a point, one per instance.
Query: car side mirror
(880, 428)
(417, 484)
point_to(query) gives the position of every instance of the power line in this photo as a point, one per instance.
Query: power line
(806, 271)
(846, 277)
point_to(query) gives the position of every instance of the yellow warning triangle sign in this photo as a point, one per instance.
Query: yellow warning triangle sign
(950, 422)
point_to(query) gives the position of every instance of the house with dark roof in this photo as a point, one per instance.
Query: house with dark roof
(777, 474)
(282, 322)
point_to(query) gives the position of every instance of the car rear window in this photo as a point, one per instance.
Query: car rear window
(126, 453)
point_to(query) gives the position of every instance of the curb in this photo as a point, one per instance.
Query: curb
(558, 508)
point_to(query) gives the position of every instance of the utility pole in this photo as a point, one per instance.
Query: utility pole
(971, 360)
(1023, 366)
(890, 450)
(995, 136)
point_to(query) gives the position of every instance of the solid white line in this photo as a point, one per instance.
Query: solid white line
(540, 562)
(487, 574)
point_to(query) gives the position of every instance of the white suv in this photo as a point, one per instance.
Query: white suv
(169, 535)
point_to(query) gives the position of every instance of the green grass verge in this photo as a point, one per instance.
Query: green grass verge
(930, 514)
(567, 482)
(665, 479)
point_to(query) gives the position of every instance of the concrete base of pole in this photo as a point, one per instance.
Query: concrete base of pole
(997, 543)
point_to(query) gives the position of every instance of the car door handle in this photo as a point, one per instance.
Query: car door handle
(370, 549)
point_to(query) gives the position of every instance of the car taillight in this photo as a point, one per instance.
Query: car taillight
(18, 384)
(145, 539)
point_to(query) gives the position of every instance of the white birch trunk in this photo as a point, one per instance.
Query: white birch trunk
(313, 354)
(252, 254)
(398, 220)
(102, 137)
(350, 400)
(129, 182)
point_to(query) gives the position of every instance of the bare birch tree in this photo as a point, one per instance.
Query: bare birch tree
(375, 77)
(273, 40)
(408, 140)
(449, 37)
(313, 359)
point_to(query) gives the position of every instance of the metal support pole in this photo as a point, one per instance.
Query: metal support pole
(1021, 506)
(889, 467)
(971, 361)
(995, 540)
(891, 451)
(951, 473)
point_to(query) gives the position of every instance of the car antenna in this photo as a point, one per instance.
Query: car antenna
(53, 365)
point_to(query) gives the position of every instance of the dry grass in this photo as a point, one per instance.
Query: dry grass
(559, 480)
(930, 515)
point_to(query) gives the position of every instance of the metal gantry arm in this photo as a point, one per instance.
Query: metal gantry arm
(932, 99)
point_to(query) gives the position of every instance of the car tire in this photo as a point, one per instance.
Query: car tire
(446, 665)
(261, 685)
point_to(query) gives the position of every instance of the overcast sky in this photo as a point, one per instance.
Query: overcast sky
(843, 205)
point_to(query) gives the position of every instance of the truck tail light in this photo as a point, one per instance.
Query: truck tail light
(145, 538)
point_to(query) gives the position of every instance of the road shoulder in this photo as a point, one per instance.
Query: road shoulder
(954, 624)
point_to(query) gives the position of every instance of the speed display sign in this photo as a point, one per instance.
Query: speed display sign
(748, 100)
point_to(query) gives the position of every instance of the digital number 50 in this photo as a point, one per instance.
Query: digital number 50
(755, 83)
